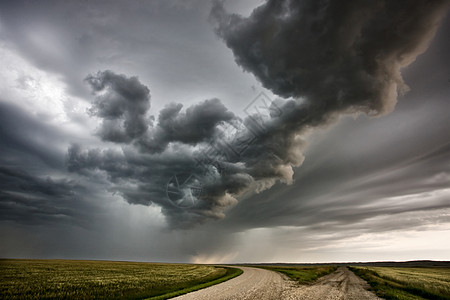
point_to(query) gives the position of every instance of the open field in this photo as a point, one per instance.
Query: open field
(57, 279)
(301, 274)
(407, 283)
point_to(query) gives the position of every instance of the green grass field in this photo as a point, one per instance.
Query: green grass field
(302, 274)
(407, 283)
(66, 279)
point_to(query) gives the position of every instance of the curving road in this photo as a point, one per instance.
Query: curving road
(262, 284)
(254, 283)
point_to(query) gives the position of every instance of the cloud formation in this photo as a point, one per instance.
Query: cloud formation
(197, 124)
(325, 58)
(122, 103)
(152, 154)
(337, 56)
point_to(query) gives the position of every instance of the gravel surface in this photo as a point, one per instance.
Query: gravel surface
(254, 283)
(262, 284)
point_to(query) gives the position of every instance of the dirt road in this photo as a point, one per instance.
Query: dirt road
(262, 284)
(342, 284)
(254, 283)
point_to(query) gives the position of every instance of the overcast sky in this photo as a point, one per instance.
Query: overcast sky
(234, 131)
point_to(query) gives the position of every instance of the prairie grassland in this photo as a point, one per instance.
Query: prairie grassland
(65, 279)
(407, 283)
(302, 274)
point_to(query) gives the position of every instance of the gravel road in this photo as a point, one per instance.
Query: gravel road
(254, 283)
(262, 284)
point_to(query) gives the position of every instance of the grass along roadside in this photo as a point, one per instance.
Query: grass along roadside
(407, 283)
(302, 274)
(231, 273)
(57, 279)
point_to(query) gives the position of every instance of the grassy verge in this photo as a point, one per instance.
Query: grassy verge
(407, 283)
(231, 273)
(65, 279)
(302, 274)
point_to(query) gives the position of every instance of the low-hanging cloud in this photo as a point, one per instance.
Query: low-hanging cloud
(325, 58)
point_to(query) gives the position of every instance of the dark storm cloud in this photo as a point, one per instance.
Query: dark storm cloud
(197, 124)
(33, 200)
(326, 55)
(140, 172)
(143, 178)
(122, 103)
(338, 56)
(333, 58)
(139, 178)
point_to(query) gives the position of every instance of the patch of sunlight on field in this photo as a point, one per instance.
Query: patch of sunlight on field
(56, 279)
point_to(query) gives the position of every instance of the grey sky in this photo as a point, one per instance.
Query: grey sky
(102, 102)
